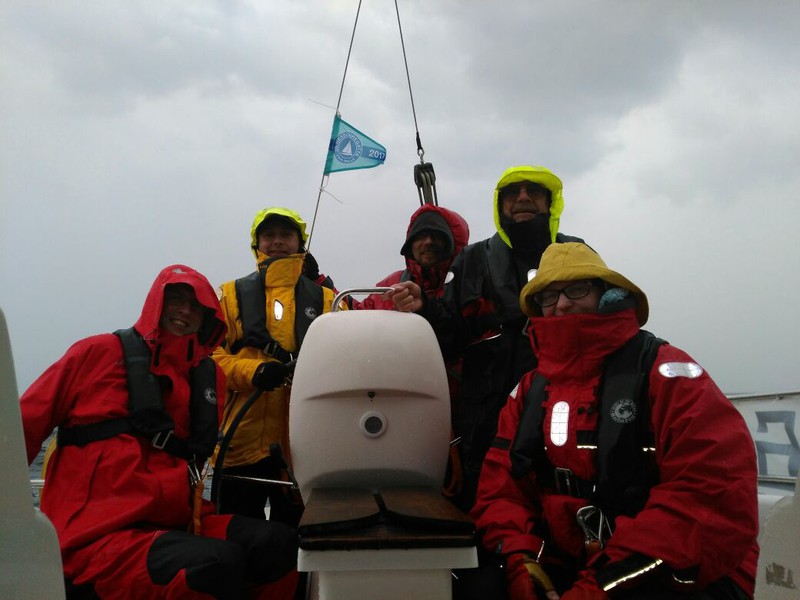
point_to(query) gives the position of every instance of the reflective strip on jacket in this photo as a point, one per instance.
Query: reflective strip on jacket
(702, 513)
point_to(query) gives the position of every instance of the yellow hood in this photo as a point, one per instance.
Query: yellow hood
(536, 174)
(276, 211)
(573, 261)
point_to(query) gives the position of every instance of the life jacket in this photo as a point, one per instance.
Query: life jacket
(146, 414)
(489, 272)
(252, 301)
(625, 455)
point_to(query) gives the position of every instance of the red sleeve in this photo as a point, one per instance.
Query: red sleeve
(374, 301)
(704, 510)
(504, 513)
(47, 402)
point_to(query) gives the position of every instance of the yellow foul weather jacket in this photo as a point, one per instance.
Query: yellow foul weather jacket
(291, 302)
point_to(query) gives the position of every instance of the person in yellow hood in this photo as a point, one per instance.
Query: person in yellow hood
(267, 314)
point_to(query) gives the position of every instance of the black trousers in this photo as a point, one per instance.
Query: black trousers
(235, 556)
(248, 498)
(252, 553)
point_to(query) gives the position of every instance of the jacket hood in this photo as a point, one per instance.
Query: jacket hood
(572, 261)
(287, 214)
(536, 174)
(448, 222)
(432, 280)
(212, 330)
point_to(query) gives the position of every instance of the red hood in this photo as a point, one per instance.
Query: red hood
(434, 278)
(190, 348)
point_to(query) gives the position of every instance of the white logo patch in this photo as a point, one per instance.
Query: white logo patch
(623, 411)
(211, 396)
(449, 277)
(311, 312)
(670, 370)
(559, 423)
(531, 274)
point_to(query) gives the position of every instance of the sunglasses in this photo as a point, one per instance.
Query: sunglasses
(531, 188)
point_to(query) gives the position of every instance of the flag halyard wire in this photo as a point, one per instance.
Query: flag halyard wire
(350, 149)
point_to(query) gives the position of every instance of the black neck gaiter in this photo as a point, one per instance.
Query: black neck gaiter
(528, 238)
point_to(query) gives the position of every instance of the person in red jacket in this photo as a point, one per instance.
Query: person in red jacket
(137, 416)
(434, 237)
(619, 470)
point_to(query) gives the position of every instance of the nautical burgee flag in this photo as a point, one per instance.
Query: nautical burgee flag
(351, 149)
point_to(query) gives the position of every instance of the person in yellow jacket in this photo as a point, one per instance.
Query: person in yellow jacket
(267, 314)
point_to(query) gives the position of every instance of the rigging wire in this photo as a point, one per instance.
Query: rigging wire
(347, 62)
(424, 176)
(420, 151)
(338, 103)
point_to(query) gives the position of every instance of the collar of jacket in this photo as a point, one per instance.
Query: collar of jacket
(573, 347)
(280, 271)
(431, 280)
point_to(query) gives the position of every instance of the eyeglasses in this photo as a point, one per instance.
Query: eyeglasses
(573, 291)
(512, 190)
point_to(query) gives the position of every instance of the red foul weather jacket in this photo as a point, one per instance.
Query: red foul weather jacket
(701, 515)
(110, 485)
(430, 280)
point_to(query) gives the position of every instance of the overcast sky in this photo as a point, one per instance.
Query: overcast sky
(139, 134)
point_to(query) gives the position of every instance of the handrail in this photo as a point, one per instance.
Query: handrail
(349, 292)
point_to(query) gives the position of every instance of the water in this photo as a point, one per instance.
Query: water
(35, 471)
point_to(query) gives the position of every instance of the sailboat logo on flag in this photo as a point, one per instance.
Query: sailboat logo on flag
(351, 149)
(347, 147)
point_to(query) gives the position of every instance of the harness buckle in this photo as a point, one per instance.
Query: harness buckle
(567, 483)
(563, 481)
(161, 439)
(275, 350)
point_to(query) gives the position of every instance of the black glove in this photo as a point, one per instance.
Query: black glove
(270, 375)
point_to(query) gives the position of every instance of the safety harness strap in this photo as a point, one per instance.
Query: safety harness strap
(146, 414)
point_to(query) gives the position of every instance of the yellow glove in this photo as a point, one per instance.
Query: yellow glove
(523, 587)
